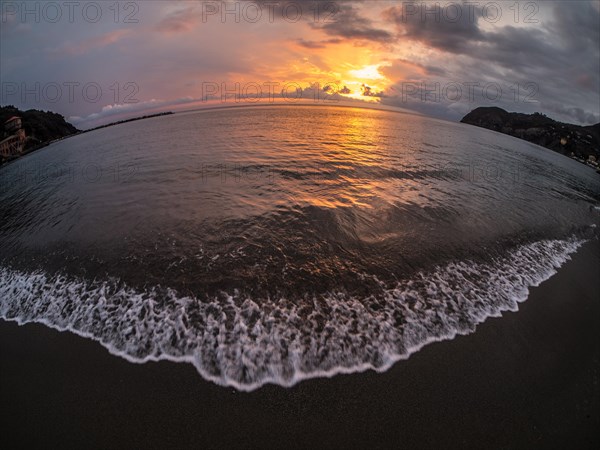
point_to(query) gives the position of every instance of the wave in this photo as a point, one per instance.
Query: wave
(245, 343)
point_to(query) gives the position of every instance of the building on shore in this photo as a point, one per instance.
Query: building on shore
(14, 140)
(13, 125)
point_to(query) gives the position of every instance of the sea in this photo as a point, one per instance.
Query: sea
(272, 244)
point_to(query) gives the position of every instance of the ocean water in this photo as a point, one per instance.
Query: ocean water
(274, 244)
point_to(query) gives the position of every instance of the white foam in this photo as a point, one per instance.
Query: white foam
(246, 343)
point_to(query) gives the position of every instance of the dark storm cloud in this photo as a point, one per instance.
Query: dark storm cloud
(339, 19)
(579, 27)
(519, 49)
(349, 24)
(559, 54)
(563, 56)
(436, 27)
(572, 36)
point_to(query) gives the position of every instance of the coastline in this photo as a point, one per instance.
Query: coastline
(529, 379)
(44, 144)
(27, 152)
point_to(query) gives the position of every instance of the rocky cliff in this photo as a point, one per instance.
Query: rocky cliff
(566, 138)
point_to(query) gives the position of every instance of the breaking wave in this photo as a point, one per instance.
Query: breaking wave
(245, 343)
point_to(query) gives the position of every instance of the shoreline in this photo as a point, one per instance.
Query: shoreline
(524, 380)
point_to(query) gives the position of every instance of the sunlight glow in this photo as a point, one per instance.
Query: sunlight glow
(368, 72)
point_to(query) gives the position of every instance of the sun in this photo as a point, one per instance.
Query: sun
(367, 73)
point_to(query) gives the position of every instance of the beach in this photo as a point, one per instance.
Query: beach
(526, 380)
(302, 225)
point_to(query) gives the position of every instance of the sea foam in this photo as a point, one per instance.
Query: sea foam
(246, 343)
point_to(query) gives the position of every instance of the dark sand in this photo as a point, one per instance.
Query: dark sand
(526, 380)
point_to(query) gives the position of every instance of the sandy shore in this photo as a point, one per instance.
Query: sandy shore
(526, 380)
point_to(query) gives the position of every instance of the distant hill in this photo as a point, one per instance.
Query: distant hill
(40, 126)
(565, 138)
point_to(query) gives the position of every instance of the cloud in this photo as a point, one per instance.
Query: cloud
(578, 114)
(172, 52)
(403, 69)
(367, 91)
(87, 45)
(559, 55)
(427, 24)
(317, 44)
(11, 25)
(350, 24)
(578, 26)
(179, 21)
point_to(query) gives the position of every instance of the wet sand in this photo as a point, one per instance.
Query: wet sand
(530, 379)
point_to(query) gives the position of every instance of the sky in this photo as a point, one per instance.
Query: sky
(98, 62)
